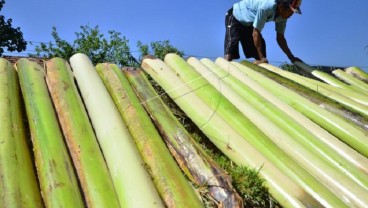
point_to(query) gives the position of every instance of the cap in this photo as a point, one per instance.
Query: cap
(295, 6)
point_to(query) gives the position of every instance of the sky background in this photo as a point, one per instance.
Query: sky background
(329, 32)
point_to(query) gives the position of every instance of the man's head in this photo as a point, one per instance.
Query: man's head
(286, 8)
(295, 6)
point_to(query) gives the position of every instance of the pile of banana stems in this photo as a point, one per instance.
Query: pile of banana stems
(320, 157)
(94, 144)
(77, 135)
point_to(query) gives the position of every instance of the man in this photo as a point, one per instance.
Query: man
(245, 21)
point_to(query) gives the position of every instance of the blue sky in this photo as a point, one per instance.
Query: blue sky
(328, 33)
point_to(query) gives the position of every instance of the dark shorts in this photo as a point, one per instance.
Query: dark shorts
(236, 32)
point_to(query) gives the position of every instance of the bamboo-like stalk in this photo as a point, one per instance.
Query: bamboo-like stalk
(90, 165)
(351, 80)
(227, 139)
(352, 117)
(59, 186)
(337, 126)
(18, 183)
(132, 182)
(352, 92)
(198, 166)
(351, 155)
(321, 75)
(357, 72)
(317, 158)
(358, 107)
(235, 117)
(167, 176)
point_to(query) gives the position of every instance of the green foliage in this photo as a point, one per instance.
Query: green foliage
(10, 38)
(158, 48)
(61, 48)
(290, 67)
(247, 182)
(90, 41)
(113, 49)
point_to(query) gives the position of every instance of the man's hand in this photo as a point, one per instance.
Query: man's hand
(263, 60)
(284, 46)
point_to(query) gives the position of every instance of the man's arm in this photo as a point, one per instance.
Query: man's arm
(285, 48)
(258, 44)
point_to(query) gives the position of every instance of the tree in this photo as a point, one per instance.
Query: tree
(90, 41)
(158, 48)
(10, 38)
(290, 67)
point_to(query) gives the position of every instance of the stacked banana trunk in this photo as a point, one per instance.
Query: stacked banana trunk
(92, 144)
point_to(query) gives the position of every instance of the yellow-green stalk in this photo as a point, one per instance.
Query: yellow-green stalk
(232, 115)
(197, 165)
(345, 131)
(357, 72)
(89, 163)
(327, 138)
(132, 181)
(351, 80)
(303, 146)
(167, 176)
(352, 92)
(321, 75)
(18, 182)
(227, 139)
(340, 98)
(59, 186)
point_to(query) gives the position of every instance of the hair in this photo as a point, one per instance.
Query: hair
(285, 3)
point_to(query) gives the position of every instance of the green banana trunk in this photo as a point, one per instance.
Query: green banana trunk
(132, 182)
(340, 98)
(233, 116)
(327, 166)
(169, 180)
(322, 75)
(351, 80)
(18, 183)
(348, 153)
(227, 139)
(357, 72)
(352, 92)
(59, 186)
(345, 131)
(89, 163)
(197, 165)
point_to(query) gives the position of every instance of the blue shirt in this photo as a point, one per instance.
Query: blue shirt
(257, 12)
